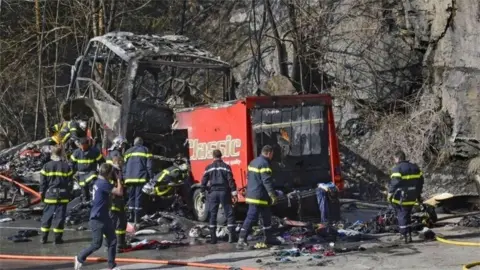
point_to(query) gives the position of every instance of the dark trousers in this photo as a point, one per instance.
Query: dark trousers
(54, 214)
(135, 202)
(119, 221)
(252, 215)
(323, 204)
(217, 198)
(404, 214)
(100, 228)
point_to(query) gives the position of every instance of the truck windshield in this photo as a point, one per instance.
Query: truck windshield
(299, 136)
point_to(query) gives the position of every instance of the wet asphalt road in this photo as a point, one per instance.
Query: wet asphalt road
(75, 241)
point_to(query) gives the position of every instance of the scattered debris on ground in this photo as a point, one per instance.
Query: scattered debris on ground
(470, 221)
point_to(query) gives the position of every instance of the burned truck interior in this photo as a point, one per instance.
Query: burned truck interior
(300, 140)
(130, 85)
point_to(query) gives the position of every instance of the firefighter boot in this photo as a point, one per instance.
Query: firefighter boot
(409, 235)
(213, 235)
(44, 238)
(58, 239)
(121, 242)
(242, 242)
(269, 239)
(231, 235)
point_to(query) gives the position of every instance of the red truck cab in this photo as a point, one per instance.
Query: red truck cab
(301, 129)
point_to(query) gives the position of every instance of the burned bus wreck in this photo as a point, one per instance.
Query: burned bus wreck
(181, 99)
(130, 84)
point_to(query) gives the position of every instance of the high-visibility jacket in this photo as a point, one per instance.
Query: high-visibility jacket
(259, 182)
(56, 182)
(169, 175)
(406, 183)
(138, 165)
(111, 154)
(56, 131)
(85, 164)
(72, 130)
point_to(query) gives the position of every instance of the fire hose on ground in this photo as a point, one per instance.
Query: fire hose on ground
(461, 243)
(37, 198)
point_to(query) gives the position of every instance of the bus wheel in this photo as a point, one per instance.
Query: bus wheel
(200, 205)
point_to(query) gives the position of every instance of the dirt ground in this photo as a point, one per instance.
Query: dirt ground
(380, 253)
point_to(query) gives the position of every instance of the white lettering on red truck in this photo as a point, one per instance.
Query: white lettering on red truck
(229, 147)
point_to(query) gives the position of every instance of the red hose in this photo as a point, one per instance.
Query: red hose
(37, 195)
(121, 260)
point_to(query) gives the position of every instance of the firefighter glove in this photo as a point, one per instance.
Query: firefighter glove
(273, 198)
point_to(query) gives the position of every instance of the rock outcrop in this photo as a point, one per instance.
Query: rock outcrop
(406, 74)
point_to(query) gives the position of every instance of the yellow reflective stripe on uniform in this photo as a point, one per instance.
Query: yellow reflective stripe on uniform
(259, 170)
(120, 232)
(255, 201)
(99, 157)
(65, 138)
(58, 230)
(43, 172)
(135, 180)
(406, 177)
(52, 201)
(84, 161)
(109, 161)
(137, 154)
(164, 173)
(404, 202)
(160, 192)
(87, 180)
(113, 208)
(43, 229)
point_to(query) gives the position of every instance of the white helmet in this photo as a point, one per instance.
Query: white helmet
(82, 124)
(117, 142)
(183, 167)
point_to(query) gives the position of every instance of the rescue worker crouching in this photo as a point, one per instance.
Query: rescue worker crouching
(55, 132)
(56, 187)
(85, 161)
(137, 172)
(222, 190)
(68, 132)
(117, 149)
(118, 208)
(164, 182)
(405, 191)
(260, 197)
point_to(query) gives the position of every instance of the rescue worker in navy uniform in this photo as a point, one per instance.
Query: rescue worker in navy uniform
(327, 198)
(55, 132)
(56, 186)
(117, 210)
(163, 183)
(117, 149)
(405, 191)
(260, 197)
(100, 223)
(85, 161)
(137, 172)
(222, 190)
(67, 132)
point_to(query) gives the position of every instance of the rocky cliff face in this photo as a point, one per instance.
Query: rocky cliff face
(406, 74)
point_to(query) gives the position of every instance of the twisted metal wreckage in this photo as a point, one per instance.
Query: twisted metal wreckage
(127, 84)
(130, 84)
